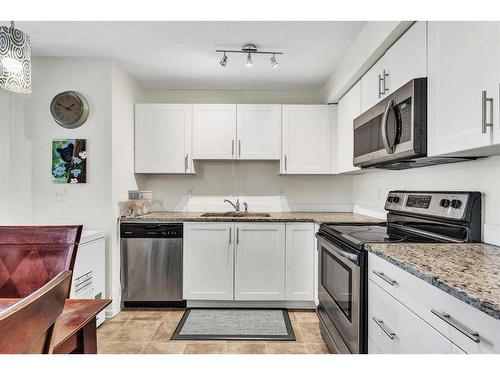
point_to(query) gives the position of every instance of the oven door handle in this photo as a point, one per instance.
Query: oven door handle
(344, 254)
(383, 127)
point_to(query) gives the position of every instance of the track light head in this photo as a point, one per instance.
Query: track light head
(274, 62)
(223, 62)
(249, 62)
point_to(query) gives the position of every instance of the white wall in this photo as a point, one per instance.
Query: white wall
(15, 162)
(370, 190)
(89, 203)
(252, 179)
(125, 92)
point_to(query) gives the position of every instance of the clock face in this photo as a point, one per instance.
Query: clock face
(69, 109)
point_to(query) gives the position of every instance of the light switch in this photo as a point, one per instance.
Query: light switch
(59, 194)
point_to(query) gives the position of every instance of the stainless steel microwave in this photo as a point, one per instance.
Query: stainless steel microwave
(393, 133)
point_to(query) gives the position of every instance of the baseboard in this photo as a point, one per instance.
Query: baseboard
(491, 234)
(370, 211)
(254, 304)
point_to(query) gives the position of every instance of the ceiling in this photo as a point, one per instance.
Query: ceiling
(181, 55)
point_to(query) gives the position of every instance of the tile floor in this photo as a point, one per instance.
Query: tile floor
(148, 331)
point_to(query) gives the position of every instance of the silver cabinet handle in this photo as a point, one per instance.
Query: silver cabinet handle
(473, 335)
(285, 162)
(239, 147)
(384, 86)
(186, 162)
(382, 326)
(484, 104)
(230, 230)
(384, 277)
(380, 79)
(232, 147)
(237, 236)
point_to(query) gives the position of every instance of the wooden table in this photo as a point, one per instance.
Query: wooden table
(75, 330)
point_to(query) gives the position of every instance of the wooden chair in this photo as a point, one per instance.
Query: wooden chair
(31, 256)
(27, 326)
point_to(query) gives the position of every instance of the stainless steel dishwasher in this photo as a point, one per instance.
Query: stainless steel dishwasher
(151, 264)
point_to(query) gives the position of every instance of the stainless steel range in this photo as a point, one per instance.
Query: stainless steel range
(413, 216)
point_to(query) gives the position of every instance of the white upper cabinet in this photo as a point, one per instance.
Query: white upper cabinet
(306, 139)
(208, 261)
(405, 60)
(300, 265)
(258, 131)
(214, 131)
(163, 138)
(348, 109)
(463, 87)
(259, 261)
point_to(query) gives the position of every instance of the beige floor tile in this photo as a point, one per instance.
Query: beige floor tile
(286, 348)
(109, 329)
(121, 348)
(164, 348)
(148, 315)
(310, 332)
(124, 315)
(137, 331)
(234, 347)
(198, 348)
(173, 315)
(317, 349)
(306, 316)
(164, 331)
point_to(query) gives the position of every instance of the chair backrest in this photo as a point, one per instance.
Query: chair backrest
(31, 256)
(27, 326)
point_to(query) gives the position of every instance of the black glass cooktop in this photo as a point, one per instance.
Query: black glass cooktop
(357, 235)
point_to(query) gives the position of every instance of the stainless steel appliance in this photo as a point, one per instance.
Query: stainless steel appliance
(151, 263)
(393, 133)
(343, 280)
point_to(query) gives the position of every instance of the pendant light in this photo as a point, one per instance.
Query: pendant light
(15, 60)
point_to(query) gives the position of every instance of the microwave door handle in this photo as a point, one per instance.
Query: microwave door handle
(383, 127)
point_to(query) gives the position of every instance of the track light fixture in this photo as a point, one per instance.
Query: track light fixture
(249, 49)
(223, 62)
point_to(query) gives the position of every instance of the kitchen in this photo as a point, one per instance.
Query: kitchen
(265, 196)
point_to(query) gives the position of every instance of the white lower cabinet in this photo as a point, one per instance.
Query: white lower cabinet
(259, 262)
(300, 251)
(208, 261)
(448, 316)
(394, 329)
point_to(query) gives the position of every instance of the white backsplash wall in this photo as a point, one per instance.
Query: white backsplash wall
(251, 179)
(370, 190)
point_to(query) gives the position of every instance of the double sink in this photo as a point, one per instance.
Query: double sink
(235, 214)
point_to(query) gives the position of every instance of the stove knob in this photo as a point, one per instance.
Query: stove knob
(456, 203)
(395, 199)
(390, 199)
(444, 203)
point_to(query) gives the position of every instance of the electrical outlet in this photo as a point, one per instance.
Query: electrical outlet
(59, 194)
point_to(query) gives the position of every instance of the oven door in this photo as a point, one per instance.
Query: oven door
(339, 293)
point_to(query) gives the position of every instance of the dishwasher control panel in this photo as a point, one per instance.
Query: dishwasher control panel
(151, 230)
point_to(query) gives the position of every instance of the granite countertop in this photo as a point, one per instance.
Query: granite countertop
(467, 271)
(316, 217)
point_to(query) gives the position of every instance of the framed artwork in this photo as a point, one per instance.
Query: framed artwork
(69, 161)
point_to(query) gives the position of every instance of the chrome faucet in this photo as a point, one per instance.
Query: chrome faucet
(245, 204)
(235, 206)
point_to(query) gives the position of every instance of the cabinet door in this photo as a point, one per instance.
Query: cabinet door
(259, 262)
(372, 85)
(163, 138)
(214, 131)
(300, 261)
(410, 334)
(455, 85)
(349, 108)
(407, 58)
(306, 139)
(208, 261)
(258, 131)
(492, 74)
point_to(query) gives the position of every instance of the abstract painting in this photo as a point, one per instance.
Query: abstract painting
(69, 161)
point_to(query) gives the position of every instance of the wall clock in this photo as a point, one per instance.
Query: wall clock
(70, 109)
